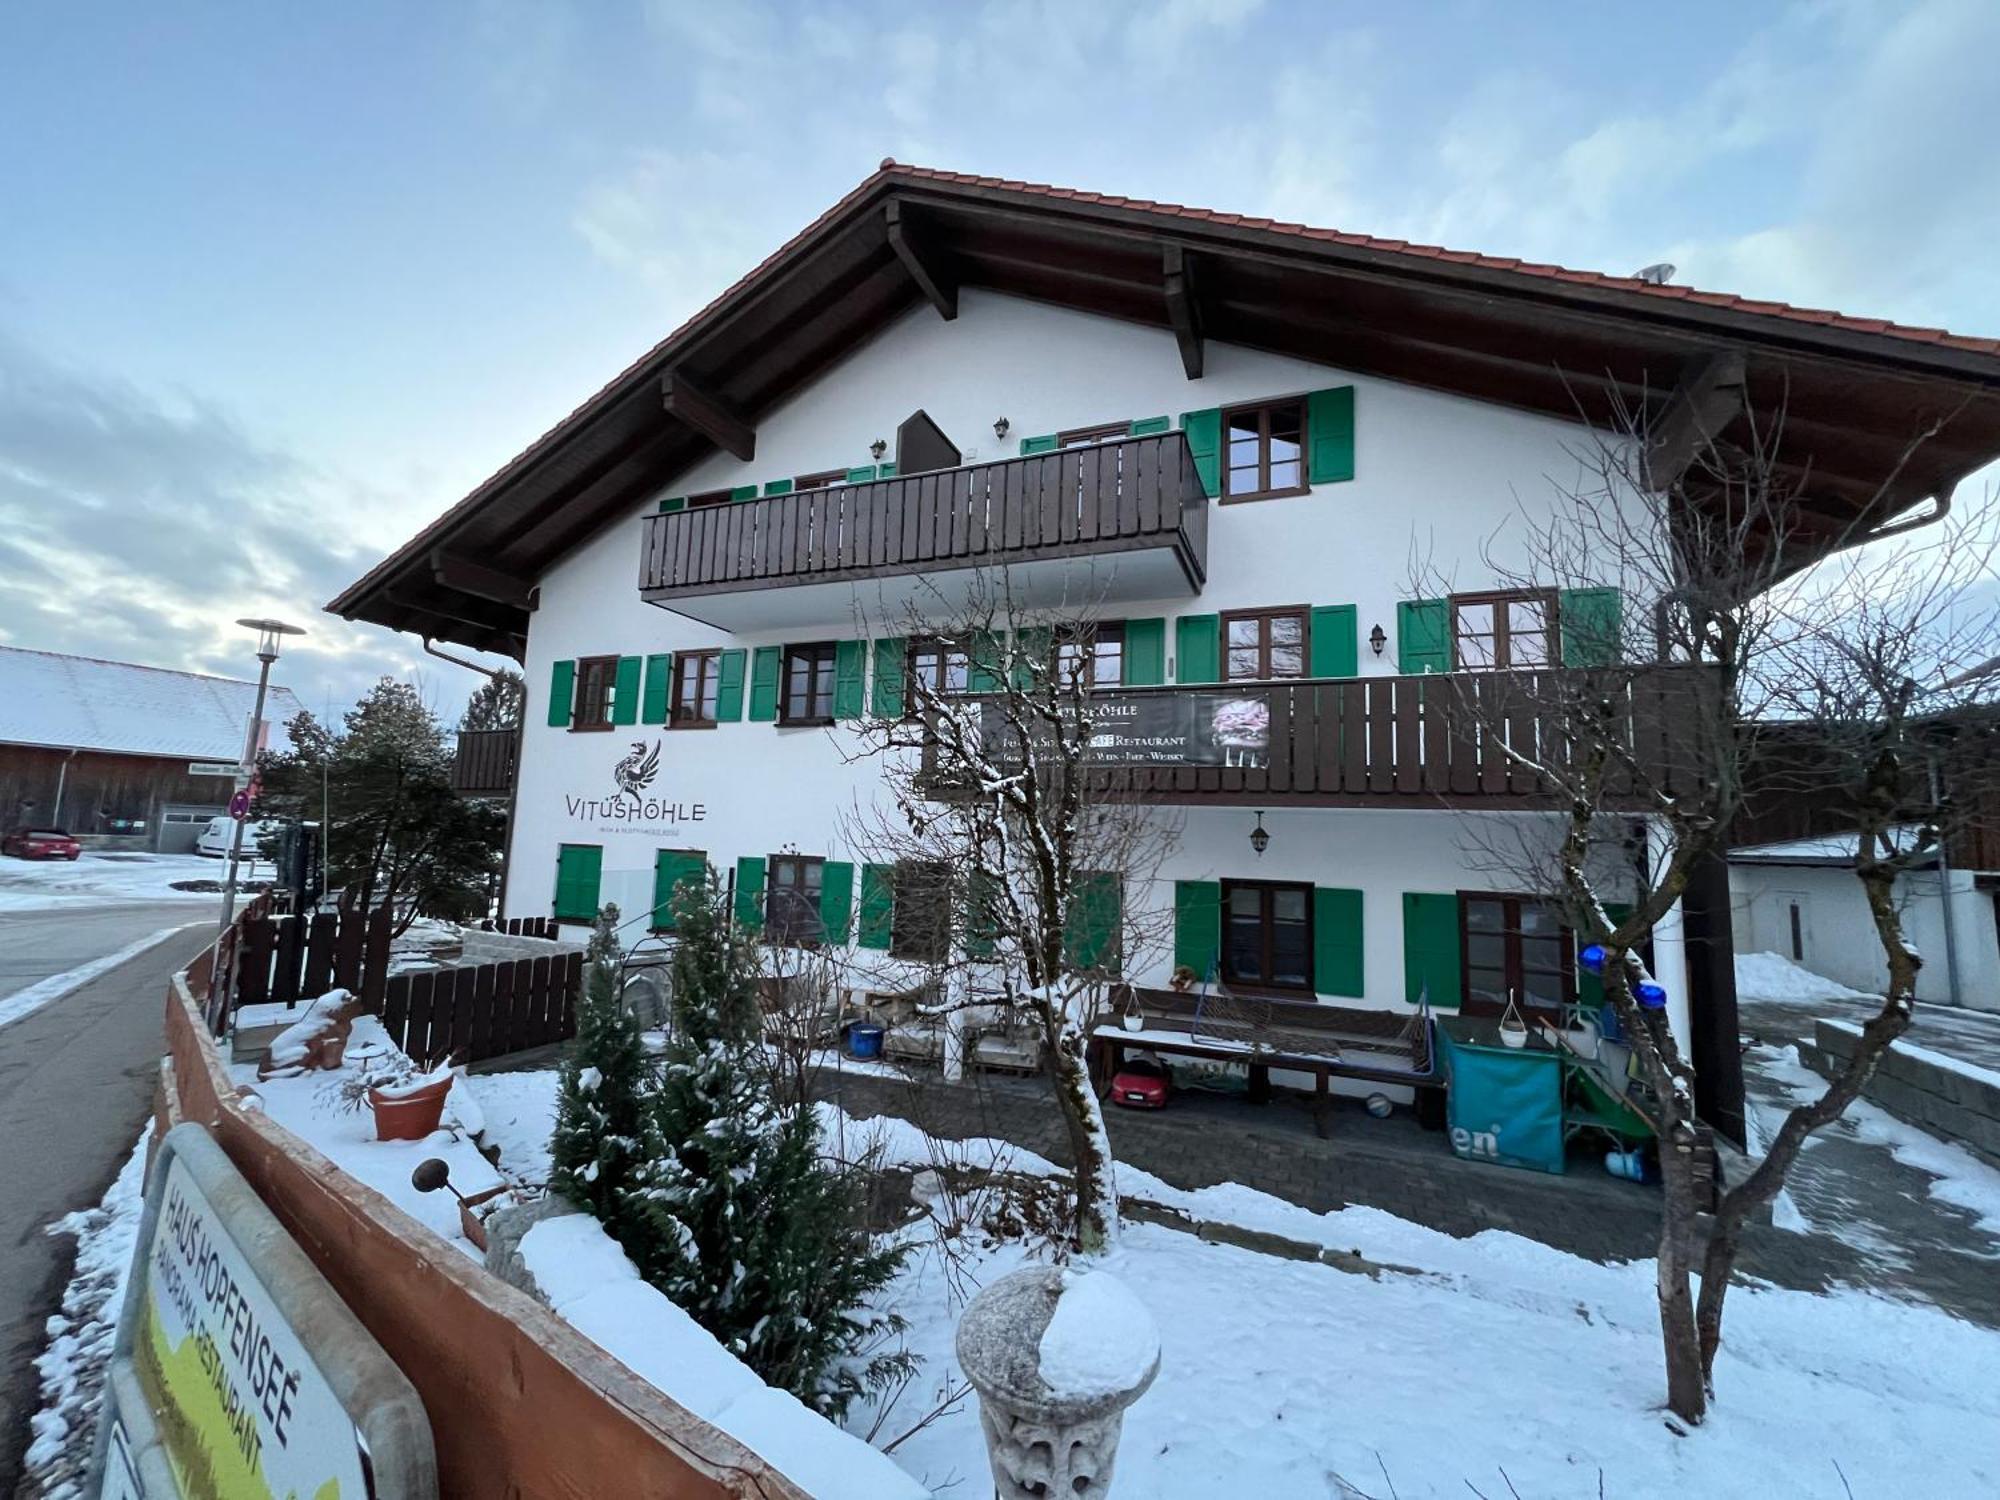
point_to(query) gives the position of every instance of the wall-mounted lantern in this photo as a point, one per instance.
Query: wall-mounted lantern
(1259, 839)
(1377, 640)
(879, 447)
(1000, 427)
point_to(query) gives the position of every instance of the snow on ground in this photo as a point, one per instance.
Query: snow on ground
(71, 1368)
(1772, 976)
(45, 991)
(1958, 1176)
(1987, 1077)
(97, 879)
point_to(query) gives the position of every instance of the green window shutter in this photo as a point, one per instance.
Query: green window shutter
(1151, 426)
(1033, 445)
(1336, 649)
(1197, 926)
(765, 666)
(668, 507)
(750, 892)
(1092, 927)
(562, 693)
(778, 487)
(578, 868)
(1145, 663)
(625, 691)
(1590, 620)
(890, 654)
(1198, 648)
(1589, 986)
(849, 666)
(729, 687)
(861, 475)
(885, 471)
(1031, 650)
(744, 492)
(836, 901)
(672, 869)
(982, 927)
(1204, 439)
(659, 677)
(1423, 635)
(1337, 937)
(983, 656)
(1430, 949)
(878, 905)
(1330, 435)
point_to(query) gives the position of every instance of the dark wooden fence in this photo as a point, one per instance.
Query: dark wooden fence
(483, 763)
(534, 927)
(1109, 497)
(490, 1010)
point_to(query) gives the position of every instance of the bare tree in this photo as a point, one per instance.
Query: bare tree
(1014, 847)
(1630, 686)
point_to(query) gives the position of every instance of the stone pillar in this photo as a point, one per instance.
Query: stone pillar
(1042, 1441)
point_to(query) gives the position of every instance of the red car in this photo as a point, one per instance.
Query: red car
(1142, 1083)
(40, 843)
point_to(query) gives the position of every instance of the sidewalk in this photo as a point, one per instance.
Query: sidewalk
(1970, 1035)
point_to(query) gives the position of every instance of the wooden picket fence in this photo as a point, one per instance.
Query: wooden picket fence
(534, 927)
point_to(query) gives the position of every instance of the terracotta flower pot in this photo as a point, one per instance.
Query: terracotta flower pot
(411, 1116)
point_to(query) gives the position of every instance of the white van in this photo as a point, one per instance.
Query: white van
(214, 840)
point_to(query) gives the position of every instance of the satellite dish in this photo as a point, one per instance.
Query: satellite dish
(1657, 274)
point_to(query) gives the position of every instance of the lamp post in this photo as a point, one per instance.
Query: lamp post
(268, 632)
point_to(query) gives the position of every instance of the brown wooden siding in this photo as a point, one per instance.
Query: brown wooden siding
(1137, 494)
(100, 786)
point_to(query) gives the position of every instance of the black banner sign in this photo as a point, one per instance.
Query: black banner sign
(1153, 729)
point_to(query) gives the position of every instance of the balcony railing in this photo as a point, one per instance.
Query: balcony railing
(1136, 494)
(1464, 739)
(484, 765)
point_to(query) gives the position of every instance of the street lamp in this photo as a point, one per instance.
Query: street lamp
(268, 634)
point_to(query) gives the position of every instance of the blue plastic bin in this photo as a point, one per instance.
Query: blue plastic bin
(864, 1040)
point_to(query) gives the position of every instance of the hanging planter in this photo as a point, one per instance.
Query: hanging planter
(1513, 1030)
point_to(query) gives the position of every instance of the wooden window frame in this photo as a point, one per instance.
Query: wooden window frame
(709, 665)
(1304, 613)
(918, 646)
(588, 698)
(1267, 986)
(1263, 410)
(1512, 969)
(784, 929)
(1549, 599)
(1089, 638)
(1084, 437)
(824, 479)
(824, 657)
(708, 498)
(937, 944)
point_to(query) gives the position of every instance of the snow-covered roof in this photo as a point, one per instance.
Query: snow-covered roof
(79, 702)
(1828, 849)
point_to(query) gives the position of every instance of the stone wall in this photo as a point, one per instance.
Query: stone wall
(1935, 1093)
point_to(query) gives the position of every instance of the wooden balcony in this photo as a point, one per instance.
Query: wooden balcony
(1117, 520)
(1416, 742)
(484, 765)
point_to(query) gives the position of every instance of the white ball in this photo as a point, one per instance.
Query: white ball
(1379, 1106)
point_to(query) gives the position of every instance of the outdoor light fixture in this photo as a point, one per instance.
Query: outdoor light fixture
(1377, 640)
(269, 633)
(1259, 839)
(1000, 429)
(878, 448)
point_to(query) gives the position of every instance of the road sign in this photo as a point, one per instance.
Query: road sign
(214, 768)
(240, 803)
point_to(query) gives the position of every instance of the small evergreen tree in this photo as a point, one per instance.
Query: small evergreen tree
(600, 1110)
(741, 1220)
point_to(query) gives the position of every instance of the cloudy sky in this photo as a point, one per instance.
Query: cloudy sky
(279, 283)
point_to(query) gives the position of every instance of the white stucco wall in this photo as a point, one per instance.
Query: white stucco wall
(1436, 477)
(1838, 935)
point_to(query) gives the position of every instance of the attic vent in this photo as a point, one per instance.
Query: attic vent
(1658, 274)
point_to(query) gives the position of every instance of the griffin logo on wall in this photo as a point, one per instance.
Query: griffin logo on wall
(636, 771)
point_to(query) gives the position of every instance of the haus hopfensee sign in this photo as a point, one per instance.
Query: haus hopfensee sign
(628, 804)
(237, 1371)
(1154, 729)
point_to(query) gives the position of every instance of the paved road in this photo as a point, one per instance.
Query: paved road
(76, 1084)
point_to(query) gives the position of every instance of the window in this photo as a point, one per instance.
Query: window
(826, 479)
(943, 667)
(1499, 631)
(1264, 643)
(713, 497)
(697, 675)
(1094, 654)
(808, 694)
(1514, 946)
(920, 912)
(595, 676)
(791, 899)
(1264, 453)
(1267, 934)
(1083, 437)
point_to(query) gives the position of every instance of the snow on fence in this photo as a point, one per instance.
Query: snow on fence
(520, 1402)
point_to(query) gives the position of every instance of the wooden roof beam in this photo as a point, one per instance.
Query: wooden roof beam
(938, 289)
(688, 403)
(1709, 397)
(1182, 310)
(469, 577)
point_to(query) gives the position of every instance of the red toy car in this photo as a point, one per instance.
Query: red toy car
(40, 843)
(1143, 1083)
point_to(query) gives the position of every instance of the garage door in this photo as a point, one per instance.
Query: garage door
(181, 824)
